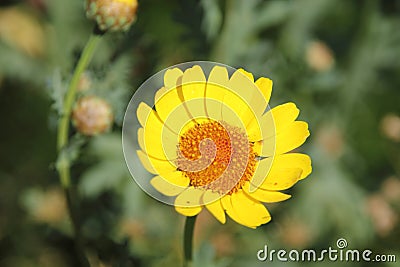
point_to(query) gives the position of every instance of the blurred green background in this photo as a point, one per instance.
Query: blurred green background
(337, 60)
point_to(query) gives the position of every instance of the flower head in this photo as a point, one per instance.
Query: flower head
(213, 143)
(113, 15)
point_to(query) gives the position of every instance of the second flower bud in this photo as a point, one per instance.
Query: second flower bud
(113, 15)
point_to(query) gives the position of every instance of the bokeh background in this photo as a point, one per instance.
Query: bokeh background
(337, 60)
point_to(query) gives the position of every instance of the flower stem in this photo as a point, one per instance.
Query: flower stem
(63, 127)
(64, 164)
(188, 240)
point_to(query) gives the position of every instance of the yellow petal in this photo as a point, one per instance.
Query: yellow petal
(284, 170)
(235, 111)
(177, 178)
(188, 202)
(249, 75)
(193, 211)
(273, 122)
(284, 115)
(160, 93)
(213, 204)
(265, 86)
(171, 110)
(143, 113)
(160, 155)
(263, 168)
(266, 195)
(250, 95)
(214, 92)
(157, 140)
(281, 179)
(179, 120)
(140, 134)
(229, 109)
(294, 160)
(193, 87)
(191, 197)
(174, 185)
(269, 196)
(213, 109)
(219, 76)
(155, 166)
(193, 83)
(227, 205)
(223, 103)
(196, 107)
(171, 77)
(290, 138)
(252, 212)
(271, 176)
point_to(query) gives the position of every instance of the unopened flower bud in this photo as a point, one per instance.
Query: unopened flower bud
(319, 56)
(92, 115)
(113, 15)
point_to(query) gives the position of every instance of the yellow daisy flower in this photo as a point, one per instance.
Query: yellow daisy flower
(212, 142)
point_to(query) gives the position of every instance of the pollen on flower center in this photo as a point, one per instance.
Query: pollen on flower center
(216, 156)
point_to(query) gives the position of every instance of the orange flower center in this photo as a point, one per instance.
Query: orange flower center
(216, 156)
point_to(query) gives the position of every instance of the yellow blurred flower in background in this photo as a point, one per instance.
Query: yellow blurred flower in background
(22, 30)
(46, 206)
(390, 127)
(319, 56)
(383, 217)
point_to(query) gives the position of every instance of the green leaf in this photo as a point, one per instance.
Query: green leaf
(110, 172)
(56, 90)
(205, 257)
(71, 152)
(103, 176)
(212, 20)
